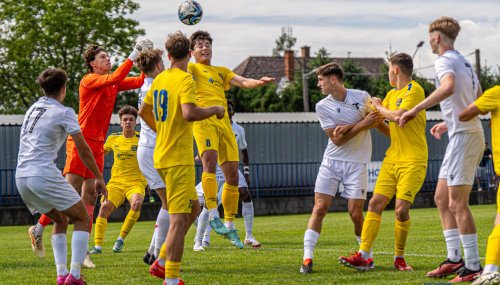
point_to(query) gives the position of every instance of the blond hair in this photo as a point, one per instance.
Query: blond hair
(447, 26)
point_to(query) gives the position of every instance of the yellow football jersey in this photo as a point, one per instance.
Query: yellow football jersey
(490, 101)
(408, 144)
(174, 139)
(211, 82)
(125, 166)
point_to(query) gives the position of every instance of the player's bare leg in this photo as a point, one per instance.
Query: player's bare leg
(321, 204)
(454, 263)
(132, 217)
(79, 243)
(105, 211)
(87, 191)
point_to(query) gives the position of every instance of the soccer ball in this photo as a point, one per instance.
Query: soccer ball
(190, 14)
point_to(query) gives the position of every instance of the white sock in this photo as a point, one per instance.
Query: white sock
(364, 254)
(213, 213)
(163, 222)
(202, 223)
(39, 229)
(397, 256)
(208, 231)
(120, 238)
(247, 213)
(370, 255)
(490, 268)
(452, 238)
(60, 248)
(98, 247)
(79, 247)
(171, 281)
(471, 252)
(152, 244)
(310, 239)
(229, 225)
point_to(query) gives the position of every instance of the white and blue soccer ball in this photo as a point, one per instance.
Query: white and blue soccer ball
(190, 12)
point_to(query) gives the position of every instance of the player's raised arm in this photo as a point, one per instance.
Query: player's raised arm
(249, 83)
(87, 158)
(483, 105)
(98, 63)
(445, 90)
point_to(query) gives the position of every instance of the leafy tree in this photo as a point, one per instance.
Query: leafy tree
(322, 58)
(489, 78)
(55, 33)
(284, 42)
(355, 76)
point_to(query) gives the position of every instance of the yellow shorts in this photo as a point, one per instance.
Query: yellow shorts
(119, 190)
(218, 135)
(404, 181)
(180, 183)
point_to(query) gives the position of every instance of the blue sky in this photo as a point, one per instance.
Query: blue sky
(364, 28)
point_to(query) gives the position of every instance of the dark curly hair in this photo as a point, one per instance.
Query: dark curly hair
(90, 54)
(199, 35)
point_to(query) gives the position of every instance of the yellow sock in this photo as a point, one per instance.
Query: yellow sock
(163, 252)
(493, 248)
(401, 231)
(209, 185)
(371, 226)
(230, 196)
(172, 269)
(130, 220)
(100, 229)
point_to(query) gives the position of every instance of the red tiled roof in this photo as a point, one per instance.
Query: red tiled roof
(274, 66)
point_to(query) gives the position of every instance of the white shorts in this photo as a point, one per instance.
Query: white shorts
(463, 155)
(147, 167)
(42, 194)
(353, 175)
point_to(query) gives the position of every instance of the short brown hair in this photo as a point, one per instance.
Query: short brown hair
(146, 61)
(52, 80)
(199, 35)
(90, 54)
(404, 62)
(331, 69)
(177, 45)
(127, 110)
(447, 26)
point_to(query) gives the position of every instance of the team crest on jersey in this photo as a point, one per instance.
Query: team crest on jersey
(398, 103)
(134, 148)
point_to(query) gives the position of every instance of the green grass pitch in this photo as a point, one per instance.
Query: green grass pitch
(277, 262)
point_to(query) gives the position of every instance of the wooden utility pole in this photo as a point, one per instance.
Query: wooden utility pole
(478, 66)
(305, 88)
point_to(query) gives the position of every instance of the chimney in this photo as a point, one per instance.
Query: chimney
(305, 51)
(289, 64)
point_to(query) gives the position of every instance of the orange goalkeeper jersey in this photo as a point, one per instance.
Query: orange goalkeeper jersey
(97, 99)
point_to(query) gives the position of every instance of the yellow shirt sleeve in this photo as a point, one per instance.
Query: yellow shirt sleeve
(387, 99)
(413, 97)
(108, 146)
(228, 75)
(490, 100)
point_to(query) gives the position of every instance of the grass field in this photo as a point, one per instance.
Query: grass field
(277, 262)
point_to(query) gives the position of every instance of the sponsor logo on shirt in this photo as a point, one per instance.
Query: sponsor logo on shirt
(338, 110)
(215, 82)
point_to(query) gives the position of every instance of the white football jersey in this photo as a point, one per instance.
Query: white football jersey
(333, 113)
(45, 129)
(147, 136)
(239, 132)
(466, 86)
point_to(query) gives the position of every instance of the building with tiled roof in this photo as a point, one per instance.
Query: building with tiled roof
(277, 66)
